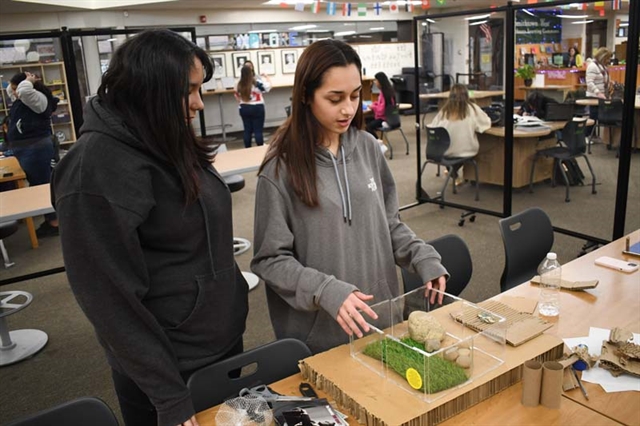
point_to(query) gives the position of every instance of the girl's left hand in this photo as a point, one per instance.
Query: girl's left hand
(439, 283)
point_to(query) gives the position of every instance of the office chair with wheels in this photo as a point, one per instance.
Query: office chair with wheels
(392, 119)
(80, 412)
(575, 146)
(438, 141)
(527, 238)
(610, 115)
(7, 229)
(455, 258)
(211, 385)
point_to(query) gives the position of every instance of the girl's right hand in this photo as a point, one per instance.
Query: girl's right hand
(349, 316)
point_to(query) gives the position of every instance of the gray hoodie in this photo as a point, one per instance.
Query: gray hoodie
(313, 258)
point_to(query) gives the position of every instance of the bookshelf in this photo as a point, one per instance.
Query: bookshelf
(54, 77)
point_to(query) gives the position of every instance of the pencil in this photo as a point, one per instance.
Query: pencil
(584, 391)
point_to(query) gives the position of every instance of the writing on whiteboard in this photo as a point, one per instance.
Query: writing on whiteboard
(389, 58)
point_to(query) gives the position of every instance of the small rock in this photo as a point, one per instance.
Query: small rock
(432, 345)
(451, 354)
(464, 352)
(464, 361)
(423, 327)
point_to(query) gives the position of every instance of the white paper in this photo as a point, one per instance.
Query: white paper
(600, 376)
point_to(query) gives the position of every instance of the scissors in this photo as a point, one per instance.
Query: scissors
(268, 395)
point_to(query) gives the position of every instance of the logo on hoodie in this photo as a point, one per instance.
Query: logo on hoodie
(372, 185)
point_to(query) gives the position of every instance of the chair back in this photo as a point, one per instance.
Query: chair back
(8, 228)
(610, 111)
(455, 258)
(392, 116)
(80, 412)
(274, 361)
(527, 238)
(574, 136)
(438, 142)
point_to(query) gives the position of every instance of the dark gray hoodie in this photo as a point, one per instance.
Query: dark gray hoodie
(156, 278)
(313, 258)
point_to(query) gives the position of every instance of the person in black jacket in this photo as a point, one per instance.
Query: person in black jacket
(146, 229)
(536, 104)
(29, 134)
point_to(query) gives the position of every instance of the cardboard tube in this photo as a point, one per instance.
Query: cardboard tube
(531, 383)
(551, 393)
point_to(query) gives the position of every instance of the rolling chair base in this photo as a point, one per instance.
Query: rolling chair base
(22, 345)
(240, 245)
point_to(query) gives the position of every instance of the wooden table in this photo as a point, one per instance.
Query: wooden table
(240, 160)
(490, 157)
(555, 92)
(613, 303)
(11, 165)
(481, 97)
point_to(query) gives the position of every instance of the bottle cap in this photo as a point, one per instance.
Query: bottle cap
(552, 256)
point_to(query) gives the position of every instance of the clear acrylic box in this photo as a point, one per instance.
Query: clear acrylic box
(385, 350)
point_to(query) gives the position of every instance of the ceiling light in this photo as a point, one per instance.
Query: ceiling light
(583, 22)
(344, 33)
(626, 24)
(527, 12)
(376, 29)
(319, 30)
(471, 18)
(94, 4)
(478, 23)
(263, 31)
(431, 20)
(303, 27)
(573, 16)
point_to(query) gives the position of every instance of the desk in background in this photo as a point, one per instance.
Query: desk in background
(481, 97)
(240, 160)
(556, 92)
(613, 303)
(11, 165)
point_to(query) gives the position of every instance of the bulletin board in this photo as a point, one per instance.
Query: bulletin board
(389, 58)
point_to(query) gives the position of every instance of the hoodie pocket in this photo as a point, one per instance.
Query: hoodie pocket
(218, 314)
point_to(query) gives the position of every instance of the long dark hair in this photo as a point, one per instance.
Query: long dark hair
(147, 84)
(52, 101)
(296, 140)
(246, 83)
(386, 87)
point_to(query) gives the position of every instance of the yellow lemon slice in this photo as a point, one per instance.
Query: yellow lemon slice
(414, 378)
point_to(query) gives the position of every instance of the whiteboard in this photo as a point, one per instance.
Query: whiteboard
(389, 58)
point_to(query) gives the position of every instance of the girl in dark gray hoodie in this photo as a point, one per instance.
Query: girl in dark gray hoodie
(328, 234)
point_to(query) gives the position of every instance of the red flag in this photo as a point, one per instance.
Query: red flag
(601, 12)
(615, 4)
(284, 4)
(599, 5)
(426, 4)
(532, 1)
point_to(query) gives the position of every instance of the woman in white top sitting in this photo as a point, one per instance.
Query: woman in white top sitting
(462, 118)
(249, 95)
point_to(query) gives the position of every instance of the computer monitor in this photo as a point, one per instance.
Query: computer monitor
(558, 59)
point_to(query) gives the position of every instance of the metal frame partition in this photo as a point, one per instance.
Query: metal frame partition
(627, 131)
(66, 43)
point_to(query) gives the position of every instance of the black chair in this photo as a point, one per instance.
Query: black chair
(7, 229)
(393, 123)
(212, 385)
(527, 238)
(610, 115)
(438, 141)
(575, 146)
(80, 412)
(455, 258)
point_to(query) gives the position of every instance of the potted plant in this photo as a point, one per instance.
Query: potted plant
(526, 72)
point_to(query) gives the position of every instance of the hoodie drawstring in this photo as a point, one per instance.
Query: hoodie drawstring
(346, 205)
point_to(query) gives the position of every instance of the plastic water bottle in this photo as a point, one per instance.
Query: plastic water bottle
(550, 276)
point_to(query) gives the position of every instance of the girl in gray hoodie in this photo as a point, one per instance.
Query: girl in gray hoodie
(328, 234)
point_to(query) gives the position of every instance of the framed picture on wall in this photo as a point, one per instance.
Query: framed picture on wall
(220, 65)
(266, 63)
(289, 61)
(238, 62)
